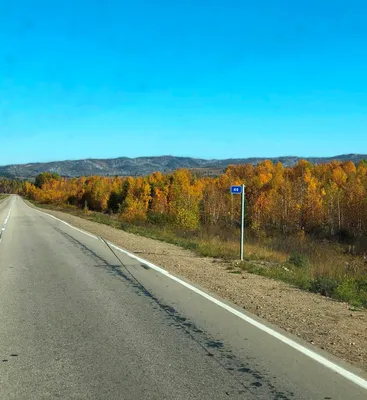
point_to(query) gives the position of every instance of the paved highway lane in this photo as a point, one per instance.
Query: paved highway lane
(75, 323)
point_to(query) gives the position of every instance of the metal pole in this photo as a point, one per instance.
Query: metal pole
(242, 220)
(232, 208)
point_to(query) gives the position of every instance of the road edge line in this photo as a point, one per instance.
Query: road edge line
(302, 349)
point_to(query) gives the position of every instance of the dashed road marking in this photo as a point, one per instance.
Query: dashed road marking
(4, 225)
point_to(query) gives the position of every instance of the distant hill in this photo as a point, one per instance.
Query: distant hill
(124, 166)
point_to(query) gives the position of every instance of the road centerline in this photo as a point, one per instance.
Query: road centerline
(4, 225)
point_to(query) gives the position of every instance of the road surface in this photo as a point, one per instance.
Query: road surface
(76, 323)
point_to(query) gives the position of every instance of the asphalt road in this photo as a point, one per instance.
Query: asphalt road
(76, 323)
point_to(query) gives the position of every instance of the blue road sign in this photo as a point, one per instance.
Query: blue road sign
(236, 189)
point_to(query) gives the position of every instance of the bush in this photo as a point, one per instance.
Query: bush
(160, 219)
(114, 202)
(361, 283)
(187, 218)
(353, 291)
(299, 260)
(347, 291)
(72, 200)
(324, 285)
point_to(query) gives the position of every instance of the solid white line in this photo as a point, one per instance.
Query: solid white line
(302, 349)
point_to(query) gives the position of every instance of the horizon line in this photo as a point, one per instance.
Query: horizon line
(190, 157)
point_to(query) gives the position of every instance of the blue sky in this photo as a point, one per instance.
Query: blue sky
(201, 78)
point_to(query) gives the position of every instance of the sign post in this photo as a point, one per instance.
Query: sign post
(241, 190)
(242, 221)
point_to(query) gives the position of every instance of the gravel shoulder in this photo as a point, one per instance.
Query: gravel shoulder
(323, 322)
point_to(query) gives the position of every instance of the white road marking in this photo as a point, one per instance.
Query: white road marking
(302, 349)
(4, 225)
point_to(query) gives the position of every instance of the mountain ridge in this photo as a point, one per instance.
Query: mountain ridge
(140, 166)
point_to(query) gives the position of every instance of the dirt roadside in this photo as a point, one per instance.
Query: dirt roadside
(325, 323)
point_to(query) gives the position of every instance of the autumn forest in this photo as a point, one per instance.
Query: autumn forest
(326, 199)
(303, 211)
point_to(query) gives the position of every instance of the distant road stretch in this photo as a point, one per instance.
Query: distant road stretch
(76, 323)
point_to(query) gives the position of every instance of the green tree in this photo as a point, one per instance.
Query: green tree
(45, 177)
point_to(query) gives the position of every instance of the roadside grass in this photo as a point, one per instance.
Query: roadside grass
(3, 196)
(318, 266)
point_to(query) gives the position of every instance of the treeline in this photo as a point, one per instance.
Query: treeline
(9, 186)
(324, 200)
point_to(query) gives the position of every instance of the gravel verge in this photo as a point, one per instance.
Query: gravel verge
(323, 322)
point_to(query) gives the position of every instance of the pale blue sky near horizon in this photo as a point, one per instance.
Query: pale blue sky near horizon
(198, 78)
